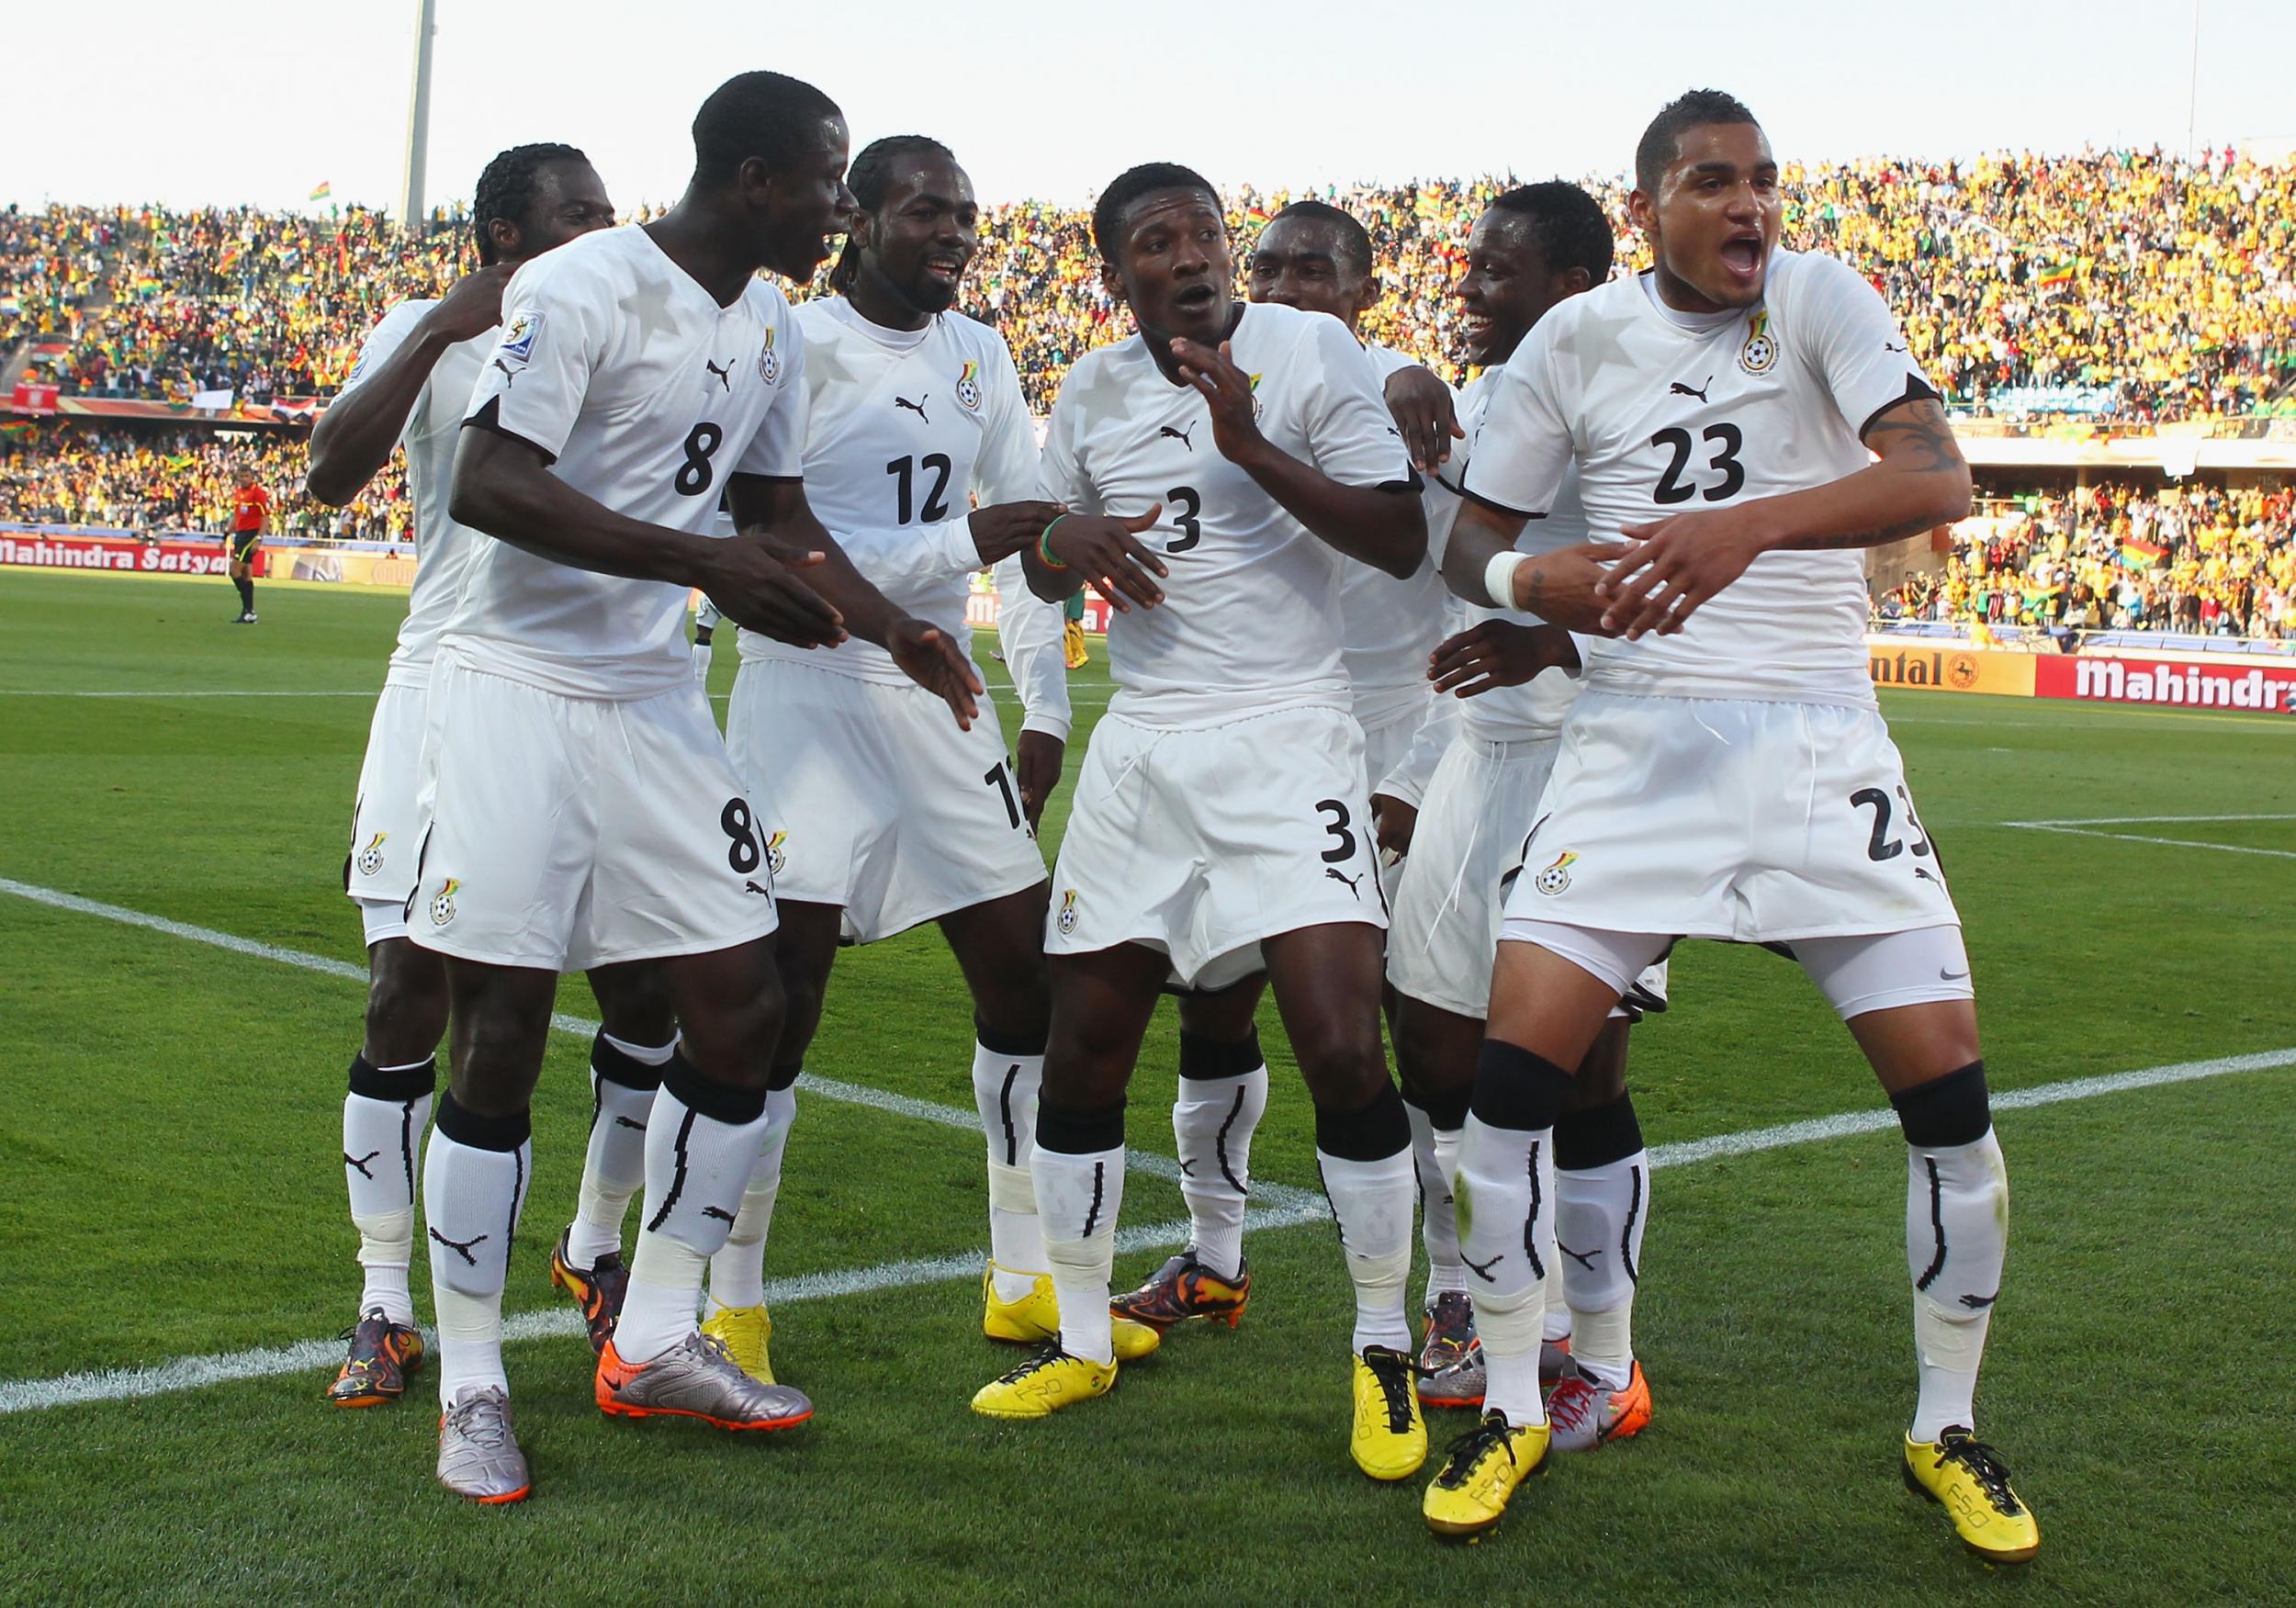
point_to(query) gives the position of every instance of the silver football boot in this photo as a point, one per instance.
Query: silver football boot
(478, 1458)
(697, 1378)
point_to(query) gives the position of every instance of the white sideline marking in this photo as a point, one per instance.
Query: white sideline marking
(182, 693)
(315, 1355)
(1279, 1197)
(2086, 828)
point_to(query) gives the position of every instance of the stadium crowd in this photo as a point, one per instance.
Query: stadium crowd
(2204, 560)
(149, 482)
(2154, 287)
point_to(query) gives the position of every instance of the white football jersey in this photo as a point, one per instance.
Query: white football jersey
(903, 429)
(1389, 626)
(1250, 619)
(1537, 710)
(433, 425)
(645, 395)
(1660, 420)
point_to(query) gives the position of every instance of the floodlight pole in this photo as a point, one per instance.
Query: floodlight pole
(2192, 85)
(418, 116)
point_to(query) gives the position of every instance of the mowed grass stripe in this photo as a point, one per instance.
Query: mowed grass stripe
(312, 1355)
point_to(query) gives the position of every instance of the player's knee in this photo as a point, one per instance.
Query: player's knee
(737, 1041)
(406, 1004)
(1946, 1112)
(1342, 1061)
(638, 1009)
(1014, 1009)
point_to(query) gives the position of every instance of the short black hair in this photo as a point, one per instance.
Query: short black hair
(1569, 226)
(1355, 239)
(766, 115)
(506, 189)
(1662, 140)
(1107, 213)
(869, 178)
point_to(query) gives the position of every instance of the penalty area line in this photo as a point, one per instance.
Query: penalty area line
(314, 1357)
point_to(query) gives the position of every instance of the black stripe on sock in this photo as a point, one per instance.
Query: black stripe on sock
(1220, 1145)
(1202, 1057)
(1376, 1131)
(1946, 1111)
(1078, 1130)
(370, 1082)
(518, 1191)
(406, 1143)
(1597, 1136)
(1099, 1193)
(618, 1066)
(1004, 1106)
(721, 1102)
(1514, 1088)
(1530, 1222)
(1937, 1224)
(504, 1132)
(677, 1179)
(1626, 1236)
(1006, 1044)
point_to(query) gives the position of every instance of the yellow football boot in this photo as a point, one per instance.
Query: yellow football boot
(1480, 1473)
(1968, 1479)
(746, 1332)
(1048, 1381)
(1389, 1438)
(1035, 1319)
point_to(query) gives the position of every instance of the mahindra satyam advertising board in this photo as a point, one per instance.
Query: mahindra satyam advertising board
(125, 557)
(2270, 688)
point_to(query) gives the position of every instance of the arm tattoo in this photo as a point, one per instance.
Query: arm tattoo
(1919, 431)
(1881, 537)
(1534, 589)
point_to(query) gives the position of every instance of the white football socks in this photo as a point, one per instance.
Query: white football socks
(613, 1166)
(697, 1166)
(737, 1269)
(1956, 1239)
(1212, 1122)
(1373, 1203)
(1506, 1183)
(472, 1195)
(1438, 1211)
(1600, 1215)
(382, 1150)
(1077, 1199)
(1004, 1091)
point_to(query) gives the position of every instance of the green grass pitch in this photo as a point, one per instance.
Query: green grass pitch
(169, 1188)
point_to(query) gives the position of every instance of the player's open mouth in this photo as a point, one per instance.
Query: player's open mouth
(1476, 327)
(1741, 254)
(1196, 298)
(948, 269)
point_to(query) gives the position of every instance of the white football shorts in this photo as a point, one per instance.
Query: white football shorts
(1735, 819)
(386, 834)
(875, 800)
(567, 833)
(1465, 852)
(1202, 841)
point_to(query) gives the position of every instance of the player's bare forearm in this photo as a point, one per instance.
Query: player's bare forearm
(1478, 534)
(1054, 586)
(354, 438)
(1922, 482)
(1383, 526)
(502, 487)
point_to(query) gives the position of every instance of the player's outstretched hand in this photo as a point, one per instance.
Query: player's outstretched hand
(472, 304)
(1235, 428)
(1671, 565)
(1042, 757)
(1559, 587)
(1394, 821)
(932, 658)
(1495, 653)
(753, 578)
(1108, 552)
(1426, 417)
(1002, 529)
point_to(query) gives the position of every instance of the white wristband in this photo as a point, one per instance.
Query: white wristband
(1499, 578)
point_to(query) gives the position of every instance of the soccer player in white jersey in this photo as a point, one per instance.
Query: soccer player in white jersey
(884, 813)
(410, 387)
(580, 807)
(1744, 419)
(1315, 257)
(1532, 249)
(1221, 820)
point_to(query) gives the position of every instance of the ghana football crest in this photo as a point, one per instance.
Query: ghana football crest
(1257, 407)
(370, 859)
(1068, 917)
(1761, 349)
(969, 389)
(776, 856)
(769, 360)
(443, 907)
(1555, 877)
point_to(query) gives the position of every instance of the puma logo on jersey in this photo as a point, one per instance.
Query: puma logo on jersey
(748, 887)
(1923, 873)
(460, 1247)
(1353, 883)
(917, 406)
(1680, 389)
(509, 374)
(360, 1161)
(1179, 435)
(724, 375)
(1891, 347)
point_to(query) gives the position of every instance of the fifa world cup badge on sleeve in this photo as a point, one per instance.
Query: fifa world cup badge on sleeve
(518, 335)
